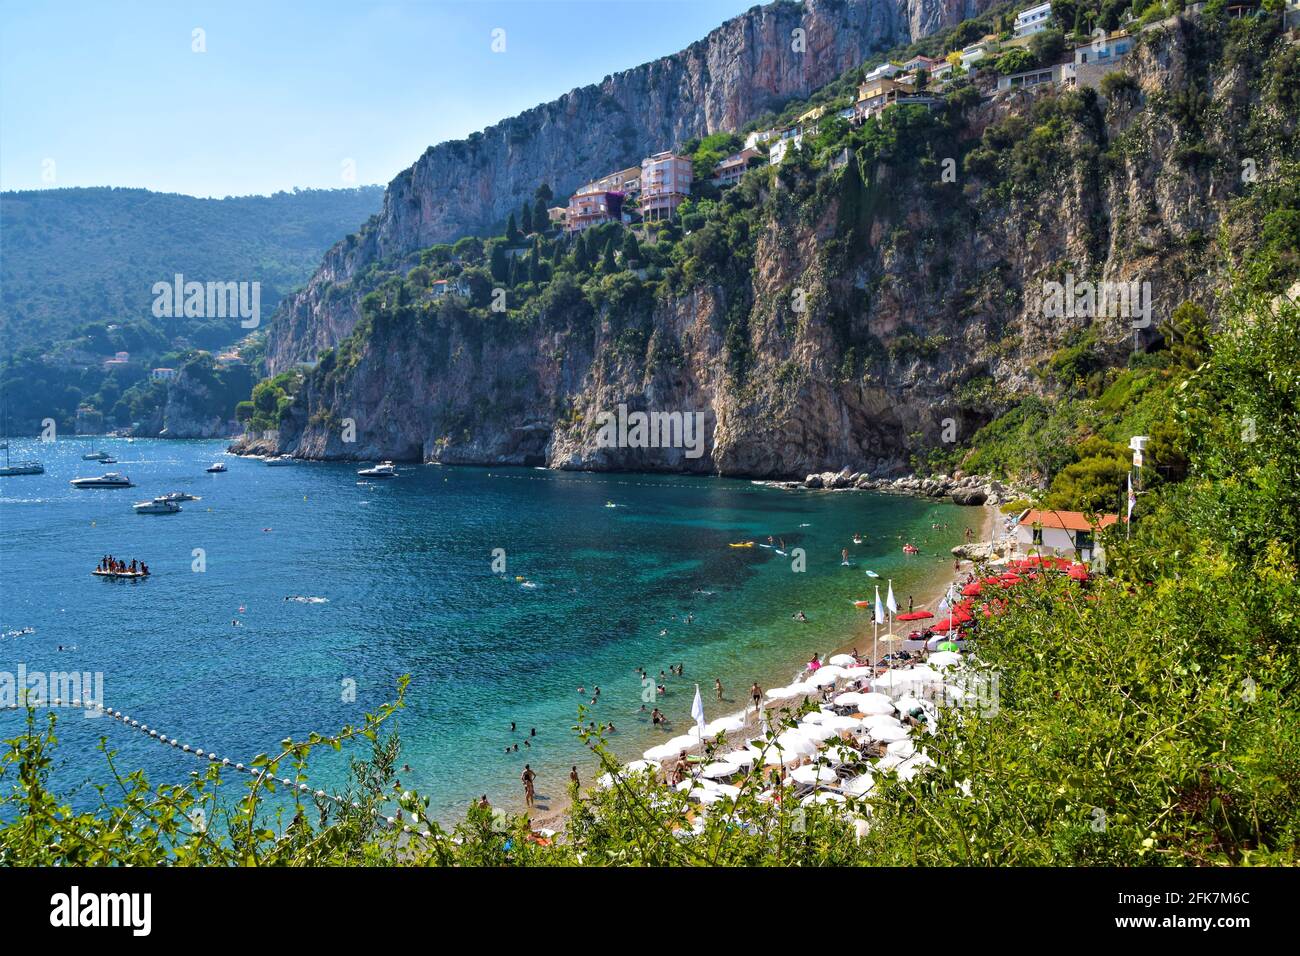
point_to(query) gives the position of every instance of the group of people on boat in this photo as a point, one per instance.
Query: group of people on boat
(110, 565)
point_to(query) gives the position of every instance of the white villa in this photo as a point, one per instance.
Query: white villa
(1062, 533)
(1034, 20)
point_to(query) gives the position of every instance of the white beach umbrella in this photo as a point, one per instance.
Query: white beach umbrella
(813, 774)
(859, 786)
(887, 763)
(891, 682)
(822, 797)
(902, 748)
(913, 765)
(684, 742)
(719, 768)
(843, 660)
(944, 659)
(839, 723)
(839, 754)
(823, 678)
(782, 693)
(803, 687)
(795, 741)
(695, 783)
(887, 734)
(880, 720)
(814, 717)
(874, 703)
(817, 732)
(661, 752)
(849, 698)
(724, 725)
(639, 766)
(741, 758)
(908, 703)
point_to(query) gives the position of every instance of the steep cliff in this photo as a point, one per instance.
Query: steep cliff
(822, 317)
(751, 64)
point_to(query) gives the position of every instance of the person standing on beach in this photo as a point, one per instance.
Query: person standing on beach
(756, 695)
(717, 686)
(528, 777)
(573, 776)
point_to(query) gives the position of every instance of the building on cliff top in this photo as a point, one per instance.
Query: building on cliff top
(665, 184)
(1034, 20)
(729, 171)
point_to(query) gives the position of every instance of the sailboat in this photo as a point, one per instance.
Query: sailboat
(12, 468)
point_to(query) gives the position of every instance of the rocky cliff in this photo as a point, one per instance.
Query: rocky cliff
(826, 318)
(751, 64)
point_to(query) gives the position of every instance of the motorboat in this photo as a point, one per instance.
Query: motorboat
(95, 456)
(385, 469)
(159, 506)
(216, 467)
(109, 480)
(177, 496)
(279, 460)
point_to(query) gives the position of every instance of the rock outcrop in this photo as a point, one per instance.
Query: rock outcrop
(751, 64)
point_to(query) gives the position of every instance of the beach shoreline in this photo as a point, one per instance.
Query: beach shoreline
(551, 814)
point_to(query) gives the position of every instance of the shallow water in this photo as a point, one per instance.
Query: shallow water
(397, 578)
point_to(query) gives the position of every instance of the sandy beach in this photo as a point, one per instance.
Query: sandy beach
(553, 796)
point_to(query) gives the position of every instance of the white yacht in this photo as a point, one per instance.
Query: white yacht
(95, 456)
(110, 480)
(177, 496)
(279, 460)
(159, 506)
(385, 469)
(217, 467)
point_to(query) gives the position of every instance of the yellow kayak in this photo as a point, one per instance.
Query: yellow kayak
(743, 544)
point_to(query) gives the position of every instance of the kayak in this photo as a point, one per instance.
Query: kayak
(743, 544)
(872, 574)
(862, 604)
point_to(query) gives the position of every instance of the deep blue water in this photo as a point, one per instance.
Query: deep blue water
(405, 568)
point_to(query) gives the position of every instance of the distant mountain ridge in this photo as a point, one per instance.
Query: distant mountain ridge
(73, 256)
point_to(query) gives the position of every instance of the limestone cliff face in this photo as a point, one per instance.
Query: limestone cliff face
(747, 66)
(920, 312)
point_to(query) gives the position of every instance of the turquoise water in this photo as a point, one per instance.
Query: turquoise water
(405, 571)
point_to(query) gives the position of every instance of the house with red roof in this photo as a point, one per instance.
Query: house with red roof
(1060, 532)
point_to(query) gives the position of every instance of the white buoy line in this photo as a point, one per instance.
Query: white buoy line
(210, 756)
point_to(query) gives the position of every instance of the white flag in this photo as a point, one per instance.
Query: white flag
(697, 711)
(889, 601)
(1132, 498)
(880, 611)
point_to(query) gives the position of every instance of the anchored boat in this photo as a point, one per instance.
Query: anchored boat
(159, 506)
(110, 480)
(385, 469)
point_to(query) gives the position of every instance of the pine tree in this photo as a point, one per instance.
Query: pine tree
(512, 229)
(609, 264)
(526, 217)
(541, 218)
(631, 248)
(500, 266)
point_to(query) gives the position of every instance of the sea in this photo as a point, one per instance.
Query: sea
(287, 600)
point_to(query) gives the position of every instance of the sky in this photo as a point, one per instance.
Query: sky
(239, 98)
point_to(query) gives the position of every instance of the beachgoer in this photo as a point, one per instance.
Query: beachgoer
(483, 802)
(756, 695)
(799, 616)
(573, 776)
(528, 777)
(815, 663)
(717, 686)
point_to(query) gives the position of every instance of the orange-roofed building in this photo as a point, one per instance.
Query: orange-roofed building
(1060, 532)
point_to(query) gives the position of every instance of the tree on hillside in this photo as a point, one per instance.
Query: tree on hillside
(526, 218)
(512, 229)
(1186, 333)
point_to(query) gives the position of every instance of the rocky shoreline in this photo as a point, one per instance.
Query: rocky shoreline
(961, 489)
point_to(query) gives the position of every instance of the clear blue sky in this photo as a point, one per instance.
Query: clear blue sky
(111, 94)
